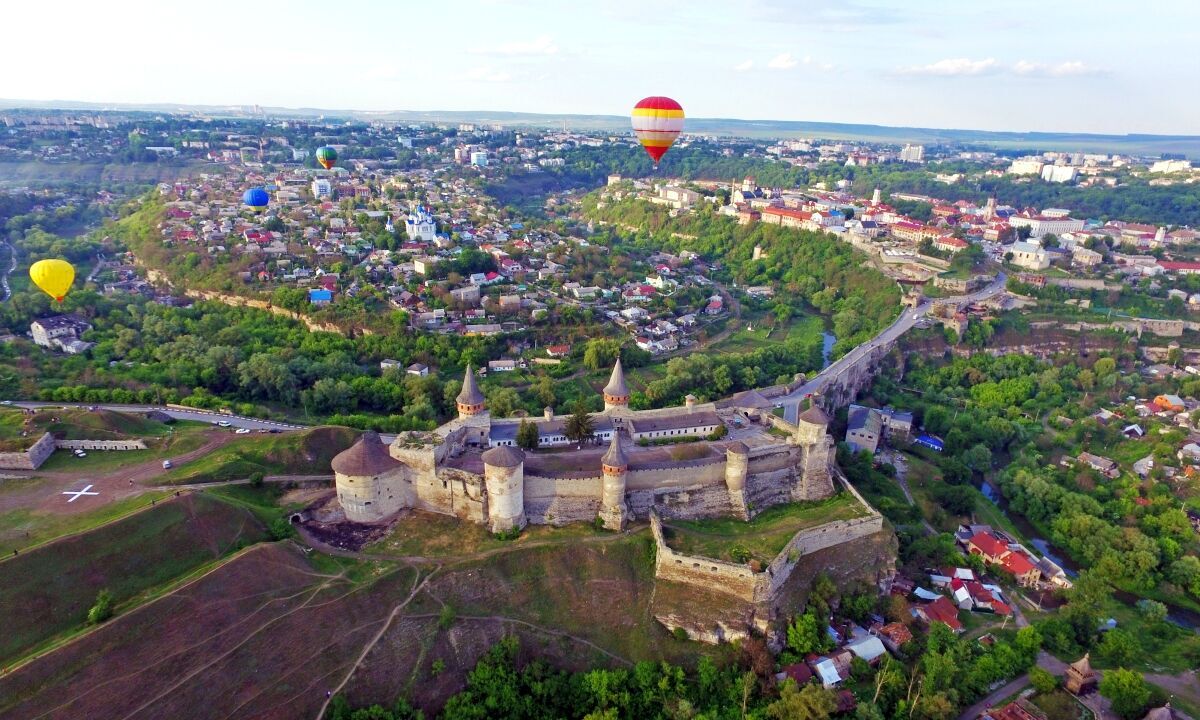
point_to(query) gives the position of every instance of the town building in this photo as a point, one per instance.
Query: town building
(1029, 256)
(61, 332)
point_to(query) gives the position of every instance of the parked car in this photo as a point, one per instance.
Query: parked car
(166, 464)
(224, 423)
(242, 431)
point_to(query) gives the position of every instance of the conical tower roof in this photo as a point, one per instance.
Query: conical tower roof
(616, 386)
(1083, 665)
(615, 457)
(366, 458)
(815, 415)
(470, 393)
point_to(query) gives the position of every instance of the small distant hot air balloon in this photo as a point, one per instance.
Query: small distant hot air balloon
(54, 277)
(327, 156)
(256, 199)
(656, 122)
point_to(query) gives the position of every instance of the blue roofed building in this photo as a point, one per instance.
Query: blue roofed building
(320, 297)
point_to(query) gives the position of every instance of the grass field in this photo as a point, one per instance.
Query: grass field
(186, 439)
(433, 535)
(22, 528)
(307, 452)
(804, 327)
(47, 591)
(763, 537)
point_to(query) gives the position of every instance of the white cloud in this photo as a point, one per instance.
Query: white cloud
(822, 66)
(1069, 68)
(541, 45)
(488, 74)
(744, 66)
(952, 67)
(782, 61)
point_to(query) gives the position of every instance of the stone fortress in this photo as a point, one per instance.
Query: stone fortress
(471, 468)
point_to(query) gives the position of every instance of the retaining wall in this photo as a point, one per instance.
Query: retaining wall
(136, 444)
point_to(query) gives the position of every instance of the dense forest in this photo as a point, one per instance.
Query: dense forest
(812, 271)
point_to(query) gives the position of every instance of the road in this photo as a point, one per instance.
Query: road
(206, 416)
(902, 324)
(1045, 661)
(12, 265)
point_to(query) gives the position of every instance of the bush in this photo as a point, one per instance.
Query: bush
(437, 668)
(281, 529)
(680, 634)
(510, 534)
(102, 610)
(446, 617)
(257, 479)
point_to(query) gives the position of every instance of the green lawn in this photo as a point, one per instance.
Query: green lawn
(186, 439)
(433, 535)
(765, 333)
(762, 538)
(307, 452)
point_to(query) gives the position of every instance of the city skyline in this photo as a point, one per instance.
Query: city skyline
(927, 64)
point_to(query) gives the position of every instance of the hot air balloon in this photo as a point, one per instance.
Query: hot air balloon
(656, 122)
(54, 277)
(256, 199)
(327, 156)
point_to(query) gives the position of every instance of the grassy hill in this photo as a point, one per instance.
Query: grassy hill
(307, 452)
(48, 590)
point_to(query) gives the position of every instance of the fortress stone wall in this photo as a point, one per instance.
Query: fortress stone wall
(136, 444)
(470, 467)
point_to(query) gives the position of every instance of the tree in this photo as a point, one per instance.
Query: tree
(806, 634)
(812, 702)
(580, 426)
(527, 435)
(503, 402)
(102, 609)
(1119, 647)
(1042, 680)
(1126, 690)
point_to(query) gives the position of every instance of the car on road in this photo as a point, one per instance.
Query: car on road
(167, 465)
(224, 423)
(242, 431)
(5, 402)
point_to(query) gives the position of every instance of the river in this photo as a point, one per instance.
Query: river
(1181, 616)
(828, 340)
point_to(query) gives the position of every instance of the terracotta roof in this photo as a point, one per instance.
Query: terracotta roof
(503, 456)
(1018, 564)
(470, 393)
(1083, 665)
(989, 544)
(366, 458)
(615, 457)
(616, 386)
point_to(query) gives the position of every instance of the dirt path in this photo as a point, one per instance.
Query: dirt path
(1186, 684)
(417, 587)
(45, 495)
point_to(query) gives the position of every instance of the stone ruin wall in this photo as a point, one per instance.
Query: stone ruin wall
(32, 457)
(101, 444)
(730, 578)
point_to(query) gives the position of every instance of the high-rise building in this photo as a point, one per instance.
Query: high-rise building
(913, 153)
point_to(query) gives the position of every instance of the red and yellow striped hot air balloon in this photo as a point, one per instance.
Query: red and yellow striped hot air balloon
(656, 122)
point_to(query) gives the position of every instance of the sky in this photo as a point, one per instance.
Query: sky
(1109, 66)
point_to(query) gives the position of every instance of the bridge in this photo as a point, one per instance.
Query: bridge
(842, 380)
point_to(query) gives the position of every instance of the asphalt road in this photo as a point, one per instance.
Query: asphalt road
(206, 416)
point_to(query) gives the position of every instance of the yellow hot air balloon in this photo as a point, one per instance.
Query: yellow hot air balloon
(54, 277)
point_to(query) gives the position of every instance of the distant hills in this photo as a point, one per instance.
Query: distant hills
(1188, 145)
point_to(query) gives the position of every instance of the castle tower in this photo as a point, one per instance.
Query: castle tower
(737, 468)
(875, 197)
(370, 483)
(616, 392)
(816, 449)
(615, 468)
(470, 399)
(989, 210)
(504, 475)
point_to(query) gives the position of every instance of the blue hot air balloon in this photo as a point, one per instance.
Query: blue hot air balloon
(256, 199)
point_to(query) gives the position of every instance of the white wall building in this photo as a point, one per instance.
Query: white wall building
(1029, 256)
(420, 226)
(913, 153)
(1026, 166)
(1060, 173)
(322, 188)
